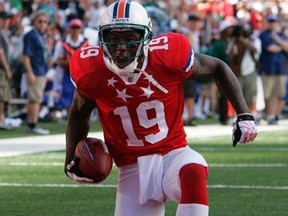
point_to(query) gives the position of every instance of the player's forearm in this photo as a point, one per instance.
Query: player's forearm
(78, 123)
(77, 128)
(228, 84)
(207, 66)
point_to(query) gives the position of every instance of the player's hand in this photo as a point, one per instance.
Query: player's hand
(244, 129)
(73, 172)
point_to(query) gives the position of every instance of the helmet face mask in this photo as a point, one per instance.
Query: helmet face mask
(133, 44)
(120, 17)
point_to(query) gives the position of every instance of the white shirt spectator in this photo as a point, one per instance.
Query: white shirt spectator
(94, 13)
(248, 64)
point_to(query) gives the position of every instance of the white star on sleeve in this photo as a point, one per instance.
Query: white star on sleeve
(122, 94)
(111, 82)
(147, 91)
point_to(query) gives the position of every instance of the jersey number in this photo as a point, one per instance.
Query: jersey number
(142, 109)
(89, 51)
(159, 43)
(144, 121)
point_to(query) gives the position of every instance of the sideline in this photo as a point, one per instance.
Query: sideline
(37, 144)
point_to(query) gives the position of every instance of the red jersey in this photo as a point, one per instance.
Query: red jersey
(141, 113)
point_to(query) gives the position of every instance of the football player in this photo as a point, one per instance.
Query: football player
(135, 81)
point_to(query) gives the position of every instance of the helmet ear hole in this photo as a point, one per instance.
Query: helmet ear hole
(150, 35)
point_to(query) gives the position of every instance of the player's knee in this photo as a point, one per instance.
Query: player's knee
(194, 172)
(193, 184)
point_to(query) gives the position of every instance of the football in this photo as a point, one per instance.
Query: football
(95, 161)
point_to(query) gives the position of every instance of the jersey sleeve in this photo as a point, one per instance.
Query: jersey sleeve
(187, 53)
(76, 69)
(174, 52)
(84, 65)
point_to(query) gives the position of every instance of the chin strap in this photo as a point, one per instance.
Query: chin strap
(120, 71)
(129, 69)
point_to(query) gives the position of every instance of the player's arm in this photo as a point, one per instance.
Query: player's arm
(206, 66)
(78, 124)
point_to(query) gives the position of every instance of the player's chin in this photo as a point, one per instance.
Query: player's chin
(122, 64)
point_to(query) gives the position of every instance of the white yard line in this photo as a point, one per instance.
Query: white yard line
(253, 187)
(59, 164)
(37, 144)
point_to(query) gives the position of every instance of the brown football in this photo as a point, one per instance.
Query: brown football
(95, 161)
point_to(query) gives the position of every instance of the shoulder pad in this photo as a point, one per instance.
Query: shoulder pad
(84, 61)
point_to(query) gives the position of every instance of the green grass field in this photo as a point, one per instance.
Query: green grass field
(250, 180)
(59, 128)
(53, 127)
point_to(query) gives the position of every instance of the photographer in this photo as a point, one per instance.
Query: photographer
(244, 53)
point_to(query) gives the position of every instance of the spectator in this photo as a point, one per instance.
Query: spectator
(35, 63)
(285, 105)
(207, 101)
(244, 61)
(272, 66)
(94, 12)
(48, 7)
(62, 54)
(220, 49)
(192, 32)
(50, 94)
(16, 51)
(5, 70)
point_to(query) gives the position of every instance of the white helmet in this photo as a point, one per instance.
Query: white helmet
(125, 14)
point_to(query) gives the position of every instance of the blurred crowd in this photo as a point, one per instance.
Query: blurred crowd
(227, 29)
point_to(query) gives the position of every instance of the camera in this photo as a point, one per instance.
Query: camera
(243, 30)
(238, 31)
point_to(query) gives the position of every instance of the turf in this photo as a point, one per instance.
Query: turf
(59, 128)
(249, 180)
